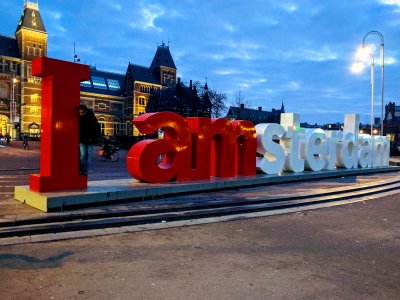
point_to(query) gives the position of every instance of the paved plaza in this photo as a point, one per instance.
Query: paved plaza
(341, 252)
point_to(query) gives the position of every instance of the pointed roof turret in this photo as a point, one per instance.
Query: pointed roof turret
(206, 86)
(162, 58)
(30, 18)
(282, 108)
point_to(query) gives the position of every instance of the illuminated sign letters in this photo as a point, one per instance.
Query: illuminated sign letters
(192, 148)
(198, 148)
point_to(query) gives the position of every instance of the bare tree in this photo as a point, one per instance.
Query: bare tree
(217, 99)
(238, 99)
(218, 107)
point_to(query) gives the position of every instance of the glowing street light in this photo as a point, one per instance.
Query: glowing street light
(382, 63)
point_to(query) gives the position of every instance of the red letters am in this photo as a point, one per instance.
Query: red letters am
(192, 148)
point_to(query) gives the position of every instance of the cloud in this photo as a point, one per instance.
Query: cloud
(390, 61)
(227, 72)
(55, 15)
(116, 6)
(251, 83)
(242, 50)
(292, 85)
(147, 18)
(60, 28)
(290, 8)
(392, 2)
(229, 27)
(317, 55)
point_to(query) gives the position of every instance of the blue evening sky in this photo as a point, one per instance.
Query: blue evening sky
(298, 52)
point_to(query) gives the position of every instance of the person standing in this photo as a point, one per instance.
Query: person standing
(89, 131)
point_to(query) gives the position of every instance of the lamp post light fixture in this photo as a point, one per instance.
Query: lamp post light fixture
(13, 107)
(76, 58)
(382, 64)
(358, 67)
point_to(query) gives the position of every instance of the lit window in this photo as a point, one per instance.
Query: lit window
(86, 83)
(113, 84)
(142, 101)
(34, 98)
(99, 82)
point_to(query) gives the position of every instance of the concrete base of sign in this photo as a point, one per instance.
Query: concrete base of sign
(109, 191)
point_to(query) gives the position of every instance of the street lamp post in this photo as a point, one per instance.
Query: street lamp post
(382, 63)
(13, 108)
(372, 92)
(76, 58)
(357, 68)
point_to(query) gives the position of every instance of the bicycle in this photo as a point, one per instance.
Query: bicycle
(111, 155)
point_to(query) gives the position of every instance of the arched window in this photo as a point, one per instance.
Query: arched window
(102, 123)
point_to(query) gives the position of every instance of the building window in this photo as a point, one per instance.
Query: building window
(34, 110)
(99, 82)
(102, 123)
(34, 98)
(86, 83)
(113, 84)
(145, 89)
(116, 108)
(102, 105)
(142, 101)
(117, 127)
(4, 90)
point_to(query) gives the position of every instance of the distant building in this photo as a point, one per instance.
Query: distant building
(141, 81)
(256, 116)
(115, 98)
(20, 92)
(103, 94)
(391, 126)
(182, 100)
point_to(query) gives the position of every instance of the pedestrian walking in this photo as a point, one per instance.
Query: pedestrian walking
(25, 139)
(89, 131)
(7, 137)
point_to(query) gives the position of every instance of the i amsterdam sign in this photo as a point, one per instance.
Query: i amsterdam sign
(192, 148)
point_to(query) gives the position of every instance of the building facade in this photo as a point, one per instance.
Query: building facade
(256, 116)
(20, 92)
(141, 81)
(115, 98)
(391, 126)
